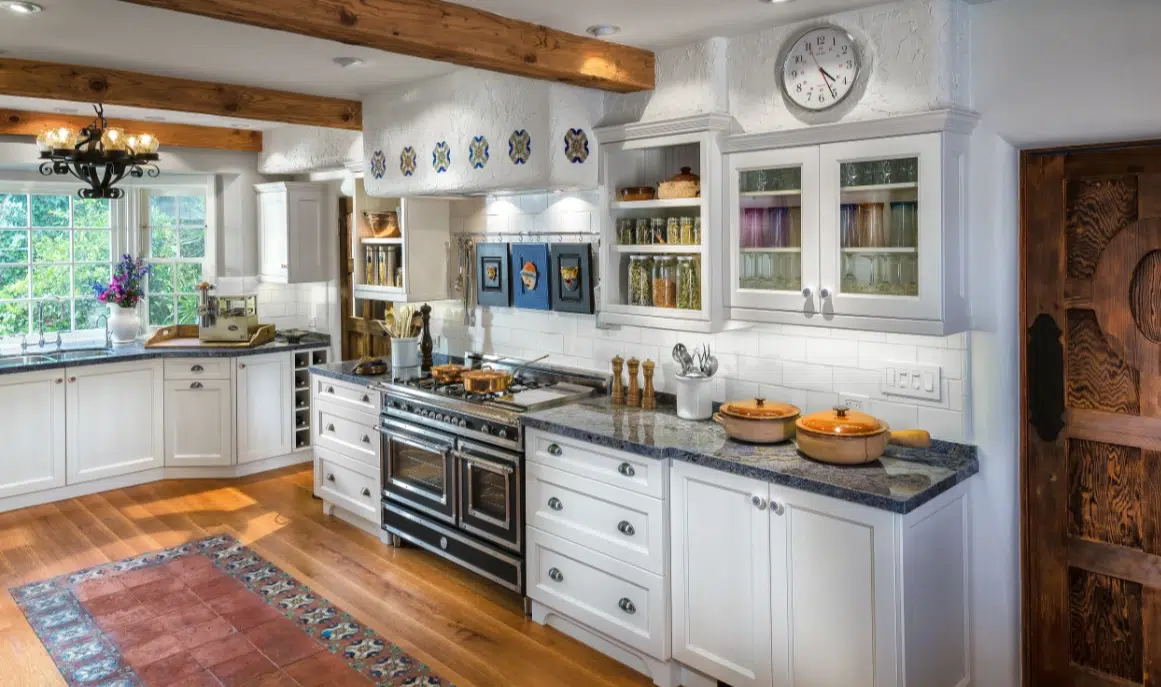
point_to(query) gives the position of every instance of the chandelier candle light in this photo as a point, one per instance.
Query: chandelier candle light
(99, 155)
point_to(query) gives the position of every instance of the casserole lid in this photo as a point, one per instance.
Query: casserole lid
(841, 421)
(758, 409)
(685, 175)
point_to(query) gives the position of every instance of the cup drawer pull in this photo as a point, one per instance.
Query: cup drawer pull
(366, 491)
(366, 398)
(626, 470)
(330, 428)
(197, 368)
(555, 450)
(627, 606)
(331, 477)
(555, 504)
(625, 528)
(556, 575)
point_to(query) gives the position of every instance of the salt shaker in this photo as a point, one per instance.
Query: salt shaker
(618, 381)
(634, 398)
(649, 396)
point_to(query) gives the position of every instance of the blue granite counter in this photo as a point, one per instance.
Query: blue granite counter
(70, 357)
(344, 372)
(901, 481)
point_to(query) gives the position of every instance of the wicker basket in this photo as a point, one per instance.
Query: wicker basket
(383, 225)
(684, 185)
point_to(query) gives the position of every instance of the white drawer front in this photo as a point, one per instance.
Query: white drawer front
(620, 469)
(355, 439)
(612, 597)
(626, 525)
(356, 492)
(198, 368)
(352, 396)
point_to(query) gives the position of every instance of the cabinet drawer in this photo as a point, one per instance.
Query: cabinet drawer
(198, 368)
(612, 597)
(620, 469)
(626, 525)
(344, 487)
(352, 396)
(358, 440)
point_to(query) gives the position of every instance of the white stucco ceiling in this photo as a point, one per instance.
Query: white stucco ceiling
(108, 33)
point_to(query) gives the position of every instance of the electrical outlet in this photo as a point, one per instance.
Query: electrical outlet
(855, 402)
(912, 380)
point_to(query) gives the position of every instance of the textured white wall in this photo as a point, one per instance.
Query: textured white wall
(691, 79)
(296, 149)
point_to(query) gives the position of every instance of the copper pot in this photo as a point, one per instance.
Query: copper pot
(848, 437)
(758, 421)
(486, 381)
(447, 374)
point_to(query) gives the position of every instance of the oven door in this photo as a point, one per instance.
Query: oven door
(419, 468)
(491, 504)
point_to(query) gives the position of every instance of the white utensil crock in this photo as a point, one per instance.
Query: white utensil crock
(405, 356)
(693, 398)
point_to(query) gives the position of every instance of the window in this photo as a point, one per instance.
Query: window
(53, 246)
(174, 243)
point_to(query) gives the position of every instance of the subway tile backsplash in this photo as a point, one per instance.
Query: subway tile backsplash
(808, 366)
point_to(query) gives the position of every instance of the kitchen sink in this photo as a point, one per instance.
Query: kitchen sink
(16, 360)
(82, 354)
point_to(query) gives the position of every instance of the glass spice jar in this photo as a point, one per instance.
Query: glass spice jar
(644, 230)
(665, 282)
(686, 231)
(697, 231)
(673, 231)
(688, 283)
(658, 224)
(626, 232)
(640, 280)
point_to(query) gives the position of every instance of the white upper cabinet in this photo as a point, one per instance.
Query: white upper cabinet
(863, 228)
(115, 419)
(295, 232)
(33, 407)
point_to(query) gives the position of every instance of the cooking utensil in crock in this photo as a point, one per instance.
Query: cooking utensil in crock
(848, 437)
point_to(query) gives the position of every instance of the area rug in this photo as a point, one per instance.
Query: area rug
(210, 613)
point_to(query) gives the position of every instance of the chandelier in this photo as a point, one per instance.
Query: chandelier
(99, 155)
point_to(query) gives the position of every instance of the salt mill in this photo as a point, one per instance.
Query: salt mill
(634, 398)
(649, 396)
(618, 381)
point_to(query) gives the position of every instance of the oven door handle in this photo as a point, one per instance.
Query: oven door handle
(483, 464)
(442, 450)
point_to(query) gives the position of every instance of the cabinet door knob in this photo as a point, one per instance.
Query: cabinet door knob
(366, 398)
(60, 380)
(331, 477)
(241, 366)
(759, 502)
(626, 470)
(626, 528)
(330, 390)
(330, 428)
(366, 491)
(777, 508)
(627, 606)
(556, 575)
(807, 291)
(283, 265)
(197, 368)
(72, 380)
(555, 450)
(195, 385)
(555, 504)
(824, 293)
(366, 439)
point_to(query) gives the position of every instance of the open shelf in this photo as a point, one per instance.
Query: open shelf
(881, 250)
(676, 248)
(771, 250)
(382, 293)
(767, 194)
(397, 241)
(880, 187)
(656, 204)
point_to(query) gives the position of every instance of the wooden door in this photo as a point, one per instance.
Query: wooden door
(114, 419)
(265, 406)
(199, 422)
(1091, 459)
(32, 406)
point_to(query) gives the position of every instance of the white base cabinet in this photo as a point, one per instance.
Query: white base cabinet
(773, 586)
(265, 406)
(347, 450)
(114, 419)
(32, 406)
(199, 422)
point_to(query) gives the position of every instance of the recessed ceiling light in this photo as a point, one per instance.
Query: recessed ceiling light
(602, 30)
(21, 7)
(66, 110)
(345, 62)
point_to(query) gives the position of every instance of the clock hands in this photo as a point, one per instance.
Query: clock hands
(826, 77)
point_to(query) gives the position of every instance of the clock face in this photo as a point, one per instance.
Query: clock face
(820, 68)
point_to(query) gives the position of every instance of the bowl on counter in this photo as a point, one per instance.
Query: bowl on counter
(758, 421)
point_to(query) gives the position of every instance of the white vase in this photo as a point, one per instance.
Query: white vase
(124, 323)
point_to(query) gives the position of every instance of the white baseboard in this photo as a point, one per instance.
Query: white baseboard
(152, 475)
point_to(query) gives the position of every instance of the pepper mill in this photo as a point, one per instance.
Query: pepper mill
(425, 343)
(634, 398)
(618, 382)
(649, 396)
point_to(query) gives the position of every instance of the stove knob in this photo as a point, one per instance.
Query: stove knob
(463, 422)
(503, 434)
(424, 413)
(485, 429)
(444, 418)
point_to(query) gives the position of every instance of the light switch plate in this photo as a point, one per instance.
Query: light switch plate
(912, 380)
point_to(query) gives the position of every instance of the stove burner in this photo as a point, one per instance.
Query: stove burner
(456, 389)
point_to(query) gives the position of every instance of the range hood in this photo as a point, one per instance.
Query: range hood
(474, 132)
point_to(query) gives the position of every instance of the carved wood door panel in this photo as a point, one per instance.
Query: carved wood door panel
(1091, 458)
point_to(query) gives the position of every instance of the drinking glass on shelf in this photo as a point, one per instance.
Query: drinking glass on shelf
(884, 172)
(751, 227)
(762, 180)
(857, 173)
(906, 170)
(746, 182)
(777, 228)
(848, 214)
(795, 214)
(766, 268)
(871, 230)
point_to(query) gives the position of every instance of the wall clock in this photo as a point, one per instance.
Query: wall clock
(820, 68)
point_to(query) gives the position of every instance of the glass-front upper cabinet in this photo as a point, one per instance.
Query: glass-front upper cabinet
(881, 216)
(774, 237)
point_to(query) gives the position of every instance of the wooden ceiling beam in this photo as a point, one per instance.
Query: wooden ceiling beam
(33, 79)
(24, 123)
(443, 31)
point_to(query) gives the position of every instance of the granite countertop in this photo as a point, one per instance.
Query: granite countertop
(345, 372)
(900, 481)
(71, 357)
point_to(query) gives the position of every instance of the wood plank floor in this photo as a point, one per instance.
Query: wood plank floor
(470, 631)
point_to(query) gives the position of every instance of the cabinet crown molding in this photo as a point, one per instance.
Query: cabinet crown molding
(693, 124)
(936, 121)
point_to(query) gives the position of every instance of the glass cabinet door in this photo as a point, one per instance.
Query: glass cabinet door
(774, 236)
(880, 214)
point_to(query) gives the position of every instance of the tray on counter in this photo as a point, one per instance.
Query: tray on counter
(186, 336)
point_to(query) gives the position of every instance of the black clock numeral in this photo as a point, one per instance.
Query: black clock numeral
(850, 64)
(799, 88)
(799, 59)
(846, 48)
(821, 40)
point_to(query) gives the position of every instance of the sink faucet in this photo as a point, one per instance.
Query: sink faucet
(40, 317)
(108, 334)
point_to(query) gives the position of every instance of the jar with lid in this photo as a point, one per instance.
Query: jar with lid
(665, 282)
(686, 231)
(640, 280)
(644, 231)
(697, 231)
(658, 230)
(626, 231)
(673, 231)
(688, 283)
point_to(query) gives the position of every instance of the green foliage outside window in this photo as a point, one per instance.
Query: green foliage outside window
(177, 248)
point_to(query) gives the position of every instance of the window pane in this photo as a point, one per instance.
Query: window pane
(193, 211)
(92, 214)
(161, 279)
(193, 243)
(56, 316)
(163, 211)
(13, 210)
(50, 211)
(13, 283)
(87, 312)
(188, 277)
(163, 243)
(85, 275)
(50, 246)
(187, 309)
(13, 319)
(13, 246)
(160, 311)
(50, 281)
(92, 246)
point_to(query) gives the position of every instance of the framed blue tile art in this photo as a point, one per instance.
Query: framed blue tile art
(492, 278)
(572, 277)
(531, 276)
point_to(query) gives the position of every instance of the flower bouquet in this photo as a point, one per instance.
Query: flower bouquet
(122, 293)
